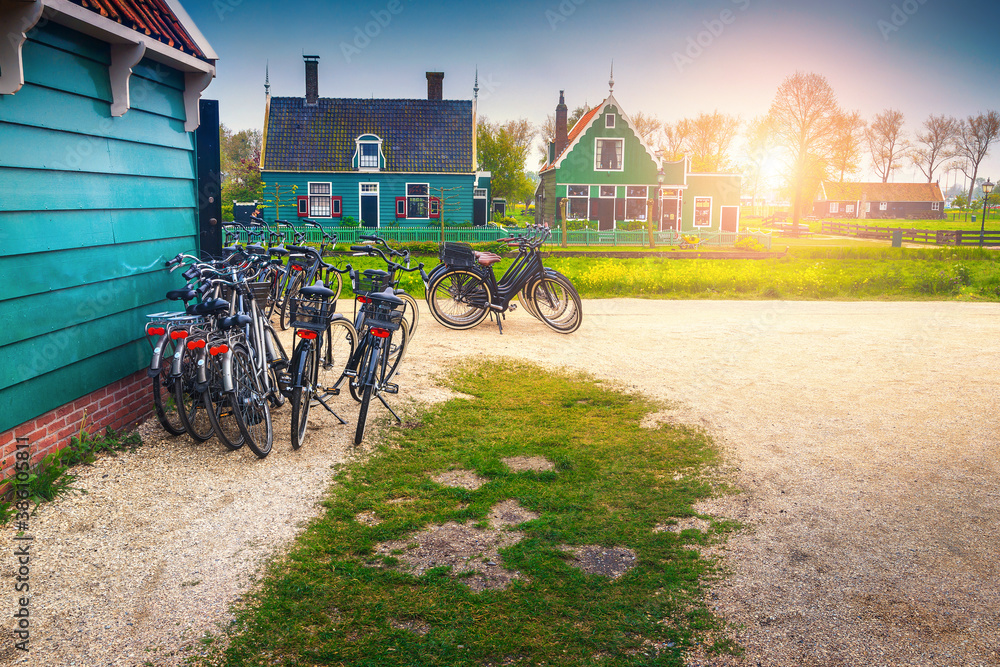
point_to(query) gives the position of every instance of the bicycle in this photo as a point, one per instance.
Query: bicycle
(389, 278)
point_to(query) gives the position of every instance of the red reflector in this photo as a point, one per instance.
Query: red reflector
(195, 344)
(308, 334)
(156, 331)
(379, 332)
(175, 335)
(218, 349)
(364, 299)
(296, 267)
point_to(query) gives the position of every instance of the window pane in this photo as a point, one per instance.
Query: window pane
(577, 190)
(480, 192)
(319, 207)
(416, 189)
(636, 191)
(319, 188)
(702, 212)
(369, 187)
(416, 207)
(635, 209)
(577, 209)
(608, 191)
(369, 156)
(609, 153)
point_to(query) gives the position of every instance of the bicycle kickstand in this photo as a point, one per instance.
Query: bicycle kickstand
(379, 395)
(329, 409)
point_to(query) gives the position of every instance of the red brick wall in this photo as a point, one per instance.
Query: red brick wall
(120, 405)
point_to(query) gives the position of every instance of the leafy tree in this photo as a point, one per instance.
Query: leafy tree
(935, 144)
(503, 149)
(961, 202)
(675, 139)
(240, 165)
(975, 135)
(848, 144)
(804, 117)
(887, 142)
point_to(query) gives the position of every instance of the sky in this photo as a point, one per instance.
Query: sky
(671, 59)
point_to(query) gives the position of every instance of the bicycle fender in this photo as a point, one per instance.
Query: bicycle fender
(227, 371)
(298, 365)
(175, 363)
(154, 364)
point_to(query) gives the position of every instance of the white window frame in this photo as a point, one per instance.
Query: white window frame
(644, 198)
(868, 207)
(319, 197)
(614, 192)
(479, 193)
(426, 198)
(621, 155)
(377, 142)
(609, 121)
(935, 206)
(882, 206)
(369, 189)
(694, 221)
(582, 200)
(835, 207)
(848, 208)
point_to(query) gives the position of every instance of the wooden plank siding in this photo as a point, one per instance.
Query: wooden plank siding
(90, 207)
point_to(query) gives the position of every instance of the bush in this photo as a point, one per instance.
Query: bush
(749, 243)
(349, 223)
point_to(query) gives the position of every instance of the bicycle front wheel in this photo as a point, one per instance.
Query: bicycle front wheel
(294, 285)
(459, 299)
(339, 343)
(367, 382)
(557, 303)
(249, 398)
(395, 350)
(412, 313)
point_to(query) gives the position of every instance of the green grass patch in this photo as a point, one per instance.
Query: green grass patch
(335, 601)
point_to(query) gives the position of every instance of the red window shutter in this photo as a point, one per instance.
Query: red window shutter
(435, 208)
(303, 206)
(336, 207)
(400, 207)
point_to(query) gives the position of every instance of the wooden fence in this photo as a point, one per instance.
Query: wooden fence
(939, 237)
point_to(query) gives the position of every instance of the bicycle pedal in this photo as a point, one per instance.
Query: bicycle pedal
(350, 373)
(512, 307)
(390, 388)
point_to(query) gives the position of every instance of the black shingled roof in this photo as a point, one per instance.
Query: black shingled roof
(417, 135)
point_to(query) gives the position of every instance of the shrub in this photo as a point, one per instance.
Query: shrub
(349, 223)
(749, 243)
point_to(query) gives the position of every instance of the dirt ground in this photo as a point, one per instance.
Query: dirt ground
(863, 435)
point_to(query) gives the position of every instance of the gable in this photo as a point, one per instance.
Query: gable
(417, 135)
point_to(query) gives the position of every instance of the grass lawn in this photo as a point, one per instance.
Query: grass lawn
(346, 594)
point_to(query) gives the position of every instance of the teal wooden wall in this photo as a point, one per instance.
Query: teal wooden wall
(90, 207)
(391, 185)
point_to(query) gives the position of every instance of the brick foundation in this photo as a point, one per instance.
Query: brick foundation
(120, 405)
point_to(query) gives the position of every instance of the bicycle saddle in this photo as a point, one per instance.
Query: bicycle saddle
(487, 258)
(375, 273)
(317, 291)
(237, 320)
(386, 297)
(210, 307)
(181, 294)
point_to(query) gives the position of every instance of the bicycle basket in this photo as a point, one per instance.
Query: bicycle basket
(310, 312)
(366, 284)
(383, 314)
(260, 292)
(457, 254)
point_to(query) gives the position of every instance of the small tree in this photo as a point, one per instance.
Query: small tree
(279, 197)
(887, 142)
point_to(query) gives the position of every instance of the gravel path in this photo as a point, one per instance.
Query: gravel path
(864, 436)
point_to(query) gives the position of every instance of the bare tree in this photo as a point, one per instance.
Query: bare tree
(645, 126)
(804, 117)
(975, 134)
(848, 145)
(710, 140)
(675, 139)
(935, 144)
(887, 142)
(547, 130)
(757, 145)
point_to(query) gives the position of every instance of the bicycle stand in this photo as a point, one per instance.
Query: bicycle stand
(329, 409)
(379, 396)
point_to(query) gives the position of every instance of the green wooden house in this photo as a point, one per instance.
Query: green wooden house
(602, 172)
(380, 162)
(98, 107)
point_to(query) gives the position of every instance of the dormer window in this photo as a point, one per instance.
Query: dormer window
(368, 156)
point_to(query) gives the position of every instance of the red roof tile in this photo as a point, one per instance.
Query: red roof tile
(149, 17)
(908, 192)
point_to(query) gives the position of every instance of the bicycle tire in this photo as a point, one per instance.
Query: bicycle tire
(190, 402)
(163, 394)
(303, 393)
(370, 364)
(339, 343)
(557, 303)
(250, 402)
(294, 286)
(411, 315)
(220, 407)
(275, 366)
(332, 277)
(459, 299)
(397, 349)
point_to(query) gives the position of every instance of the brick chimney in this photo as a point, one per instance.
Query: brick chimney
(312, 80)
(560, 125)
(435, 85)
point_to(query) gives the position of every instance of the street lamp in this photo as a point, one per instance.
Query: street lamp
(987, 189)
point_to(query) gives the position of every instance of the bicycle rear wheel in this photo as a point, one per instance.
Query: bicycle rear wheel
(396, 350)
(189, 399)
(253, 414)
(220, 407)
(557, 303)
(305, 360)
(296, 283)
(163, 393)
(339, 343)
(459, 299)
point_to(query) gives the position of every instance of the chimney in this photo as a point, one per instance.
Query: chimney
(312, 80)
(435, 85)
(560, 125)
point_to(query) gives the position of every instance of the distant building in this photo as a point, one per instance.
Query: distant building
(606, 174)
(921, 201)
(380, 161)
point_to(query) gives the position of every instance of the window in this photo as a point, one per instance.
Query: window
(635, 202)
(882, 206)
(702, 211)
(336, 207)
(609, 121)
(417, 200)
(578, 202)
(369, 152)
(435, 207)
(936, 206)
(608, 191)
(369, 187)
(319, 200)
(834, 207)
(849, 208)
(868, 207)
(479, 193)
(608, 155)
(303, 202)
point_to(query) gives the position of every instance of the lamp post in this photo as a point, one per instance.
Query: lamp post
(987, 189)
